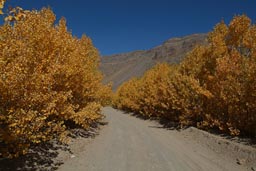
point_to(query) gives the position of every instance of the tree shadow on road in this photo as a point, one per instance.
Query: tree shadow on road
(44, 156)
(241, 139)
(40, 157)
(167, 124)
(163, 122)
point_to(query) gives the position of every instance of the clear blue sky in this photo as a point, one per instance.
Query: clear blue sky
(117, 26)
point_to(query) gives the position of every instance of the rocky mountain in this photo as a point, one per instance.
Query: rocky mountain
(121, 67)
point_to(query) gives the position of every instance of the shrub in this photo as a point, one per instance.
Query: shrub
(48, 78)
(214, 87)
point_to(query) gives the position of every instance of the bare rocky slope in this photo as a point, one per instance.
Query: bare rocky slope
(121, 67)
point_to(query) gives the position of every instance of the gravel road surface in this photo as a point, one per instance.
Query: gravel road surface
(131, 144)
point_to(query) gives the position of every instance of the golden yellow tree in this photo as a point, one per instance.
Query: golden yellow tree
(214, 87)
(225, 68)
(48, 80)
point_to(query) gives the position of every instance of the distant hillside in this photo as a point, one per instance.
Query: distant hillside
(121, 67)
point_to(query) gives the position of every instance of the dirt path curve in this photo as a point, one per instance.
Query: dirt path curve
(130, 144)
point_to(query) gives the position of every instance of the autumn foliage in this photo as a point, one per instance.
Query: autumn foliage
(214, 87)
(49, 80)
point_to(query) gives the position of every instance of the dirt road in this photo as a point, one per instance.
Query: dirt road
(131, 144)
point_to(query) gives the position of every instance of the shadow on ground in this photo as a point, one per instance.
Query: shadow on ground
(171, 125)
(43, 157)
(164, 123)
(38, 158)
(167, 124)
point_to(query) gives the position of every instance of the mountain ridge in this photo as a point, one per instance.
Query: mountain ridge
(119, 68)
